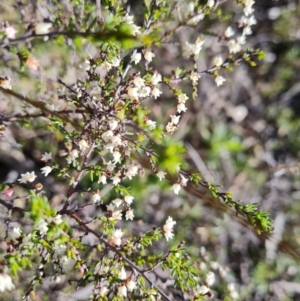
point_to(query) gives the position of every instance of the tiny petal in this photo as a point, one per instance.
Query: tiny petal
(136, 57)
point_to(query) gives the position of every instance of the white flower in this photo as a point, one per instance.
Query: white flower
(134, 29)
(132, 171)
(193, 49)
(110, 207)
(151, 124)
(156, 78)
(96, 198)
(46, 157)
(194, 77)
(220, 80)
(117, 202)
(248, 9)
(136, 57)
(211, 3)
(184, 180)
(195, 20)
(5, 83)
(169, 235)
(203, 290)
(168, 228)
(128, 19)
(116, 62)
(139, 82)
(106, 136)
(210, 278)
(6, 283)
(46, 170)
(148, 55)
(156, 92)
(161, 175)
(73, 155)
(10, 31)
(117, 215)
(83, 145)
(102, 179)
(145, 91)
(128, 199)
(129, 214)
(175, 119)
(122, 291)
(131, 285)
(170, 223)
(247, 31)
(103, 291)
(28, 177)
(182, 98)
(122, 274)
(116, 179)
(181, 107)
(244, 21)
(57, 219)
(176, 188)
(110, 166)
(42, 28)
(233, 46)
(241, 40)
(218, 61)
(116, 237)
(106, 66)
(113, 124)
(132, 92)
(117, 156)
(42, 227)
(14, 233)
(229, 32)
(27, 241)
(171, 127)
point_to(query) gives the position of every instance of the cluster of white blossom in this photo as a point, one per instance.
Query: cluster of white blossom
(139, 88)
(235, 45)
(29, 177)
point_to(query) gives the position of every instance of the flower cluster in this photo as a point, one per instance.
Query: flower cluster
(109, 143)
